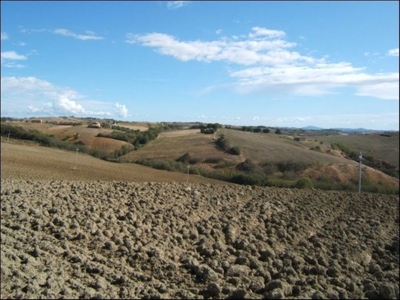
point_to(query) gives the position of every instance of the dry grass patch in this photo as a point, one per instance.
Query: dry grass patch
(380, 147)
(33, 162)
(174, 144)
(134, 126)
(273, 148)
(349, 174)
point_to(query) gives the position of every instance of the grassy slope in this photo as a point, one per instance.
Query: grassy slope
(380, 147)
(26, 160)
(86, 135)
(258, 147)
(173, 144)
(261, 147)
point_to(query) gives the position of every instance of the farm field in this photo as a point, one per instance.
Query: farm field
(271, 147)
(327, 168)
(29, 161)
(171, 145)
(136, 240)
(380, 147)
(74, 226)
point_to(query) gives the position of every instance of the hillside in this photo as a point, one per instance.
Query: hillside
(171, 145)
(24, 160)
(380, 146)
(271, 147)
(264, 159)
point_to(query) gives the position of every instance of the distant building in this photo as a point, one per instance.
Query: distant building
(95, 125)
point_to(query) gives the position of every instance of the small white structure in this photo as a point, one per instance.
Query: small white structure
(95, 125)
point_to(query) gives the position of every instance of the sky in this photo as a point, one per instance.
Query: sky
(263, 63)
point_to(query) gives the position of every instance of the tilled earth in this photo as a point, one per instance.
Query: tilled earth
(99, 239)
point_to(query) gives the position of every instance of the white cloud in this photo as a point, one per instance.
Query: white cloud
(83, 37)
(393, 52)
(4, 36)
(244, 52)
(12, 55)
(258, 31)
(269, 63)
(176, 4)
(122, 110)
(385, 90)
(371, 54)
(41, 97)
(8, 59)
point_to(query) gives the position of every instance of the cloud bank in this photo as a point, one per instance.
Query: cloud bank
(268, 62)
(40, 97)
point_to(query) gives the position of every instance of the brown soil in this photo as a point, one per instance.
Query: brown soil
(23, 160)
(91, 235)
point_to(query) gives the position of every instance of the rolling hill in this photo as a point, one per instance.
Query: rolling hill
(264, 158)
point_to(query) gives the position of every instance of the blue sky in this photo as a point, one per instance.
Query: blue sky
(326, 64)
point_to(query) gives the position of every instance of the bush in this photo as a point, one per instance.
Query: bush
(235, 150)
(188, 159)
(304, 183)
(224, 144)
(248, 166)
(207, 130)
(316, 148)
(248, 179)
(213, 160)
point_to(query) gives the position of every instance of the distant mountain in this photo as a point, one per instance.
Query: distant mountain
(346, 130)
(312, 128)
(361, 130)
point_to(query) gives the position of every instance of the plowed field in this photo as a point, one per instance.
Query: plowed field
(89, 236)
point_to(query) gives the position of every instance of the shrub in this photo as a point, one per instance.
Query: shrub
(213, 160)
(224, 144)
(235, 150)
(304, 183)
(207, 130)
(247, 166)
(188, 159)
(316, 148)
(269, 169)
(248, 179)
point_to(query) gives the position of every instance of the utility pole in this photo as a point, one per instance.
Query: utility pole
(76, 156)
(359, 175)
(187, 176)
